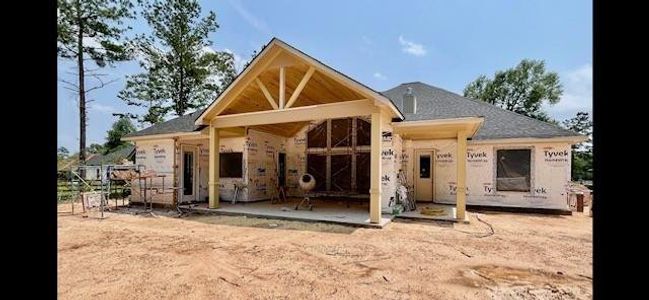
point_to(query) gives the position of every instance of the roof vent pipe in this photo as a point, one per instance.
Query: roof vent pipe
(409, 102)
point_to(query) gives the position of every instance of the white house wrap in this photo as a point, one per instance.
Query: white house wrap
(354, 141)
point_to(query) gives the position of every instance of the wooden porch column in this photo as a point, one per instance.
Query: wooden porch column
(375, 168)
(460, 196)
(214, 147)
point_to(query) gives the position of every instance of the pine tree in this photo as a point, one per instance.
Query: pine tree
(91, 29)
(181, 71)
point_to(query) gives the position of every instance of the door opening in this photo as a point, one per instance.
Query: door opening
(424, 175)
(189, 162)
(281, 170)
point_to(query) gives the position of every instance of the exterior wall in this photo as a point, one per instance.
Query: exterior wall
(296, 160)
(157, 155)
(226, 185)
(262, 156)
(550, 173)
(160, 156)
(390, 161)
(203, 152)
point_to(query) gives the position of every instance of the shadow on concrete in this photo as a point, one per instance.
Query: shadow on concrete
(240, 221)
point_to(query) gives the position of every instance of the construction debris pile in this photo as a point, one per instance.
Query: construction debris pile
(579, 196)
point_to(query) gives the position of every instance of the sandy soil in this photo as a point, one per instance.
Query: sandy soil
(150, 257)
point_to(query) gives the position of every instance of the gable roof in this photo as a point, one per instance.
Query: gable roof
(275, 42)
(180, 124)
(435, 103)
(125, 152)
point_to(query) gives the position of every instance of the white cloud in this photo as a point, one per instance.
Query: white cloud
(367, 40)
(208, 49)
(102, 108)
(92, 42)
(378, 75)
(239, 62)
(577, 93)
(252, 20)
(411, 47)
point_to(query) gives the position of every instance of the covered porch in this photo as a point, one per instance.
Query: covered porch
(280, 93)
(283, 91)
(422, 133)
(326, 211)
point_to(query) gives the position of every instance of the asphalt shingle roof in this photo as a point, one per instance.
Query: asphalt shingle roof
(180, 124)
(432, 103)
(116, 156)
(435, 103)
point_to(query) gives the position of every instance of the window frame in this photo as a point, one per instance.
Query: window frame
(331, 150)
(241, 164)
(532, 168)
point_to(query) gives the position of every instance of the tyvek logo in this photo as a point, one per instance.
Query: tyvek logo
(444, 157)
(476, 157)
(476, 154)
(159, 154)
(489, 189)
(551, 154)
(387, 136)
(556, 156)
(387, 154)
(452, 188)
(540, 190)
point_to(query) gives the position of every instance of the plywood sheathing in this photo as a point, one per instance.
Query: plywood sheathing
(283, 129)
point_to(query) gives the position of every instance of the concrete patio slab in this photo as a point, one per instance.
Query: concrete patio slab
(327, 211)
(448, 213)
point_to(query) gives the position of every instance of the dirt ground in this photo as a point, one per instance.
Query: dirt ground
(131, 256)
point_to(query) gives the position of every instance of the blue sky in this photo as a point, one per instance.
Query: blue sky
(382, 44)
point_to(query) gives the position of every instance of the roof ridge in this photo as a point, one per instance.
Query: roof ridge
(191, 116)
(412, 82)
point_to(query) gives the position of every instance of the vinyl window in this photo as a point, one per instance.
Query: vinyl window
(231, 165)
(513, 170)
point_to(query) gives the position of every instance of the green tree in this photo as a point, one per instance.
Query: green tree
(580, 123)
(120, 128)
(252, 56)
(582, 154)
(181, 71)
(95, 148)
(522, 89)
(62, 153)
(91, 29)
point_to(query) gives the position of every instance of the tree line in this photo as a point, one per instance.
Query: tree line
(180, 70)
